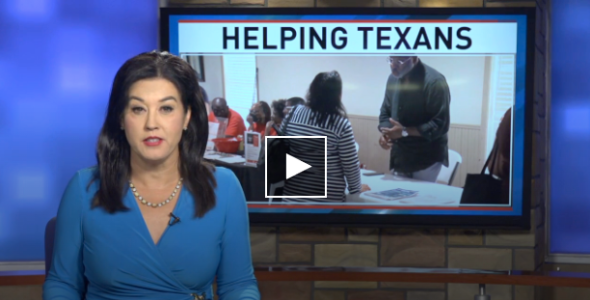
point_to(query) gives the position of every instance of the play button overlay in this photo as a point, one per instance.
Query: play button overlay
(295, 166)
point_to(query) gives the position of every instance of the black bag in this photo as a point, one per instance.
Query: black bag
(483, 188)
(276, 162)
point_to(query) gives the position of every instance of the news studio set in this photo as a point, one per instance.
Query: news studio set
(176, 151)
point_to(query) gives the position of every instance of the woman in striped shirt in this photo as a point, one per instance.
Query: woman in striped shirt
(323, 115)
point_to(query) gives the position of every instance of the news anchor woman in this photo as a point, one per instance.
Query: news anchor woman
(153, 220)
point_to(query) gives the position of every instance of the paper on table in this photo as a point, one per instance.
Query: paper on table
(212, 155)
(252, 147)
(222, 127)
(394, 194)
(232, 159)
(213, 129)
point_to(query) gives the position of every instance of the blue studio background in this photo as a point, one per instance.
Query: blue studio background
(570, 128)
(57, 62)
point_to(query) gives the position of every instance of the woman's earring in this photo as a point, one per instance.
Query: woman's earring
(184, 128)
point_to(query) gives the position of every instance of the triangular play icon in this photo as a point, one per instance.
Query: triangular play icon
(295, 166)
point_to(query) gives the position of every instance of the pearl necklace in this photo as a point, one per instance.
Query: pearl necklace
(154, 205)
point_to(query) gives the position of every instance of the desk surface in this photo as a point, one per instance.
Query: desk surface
(429, 193)
(382, 274)
(29, 277)
(564, 279)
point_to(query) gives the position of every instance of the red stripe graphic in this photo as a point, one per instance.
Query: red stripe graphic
(389, 207)
(339, 21)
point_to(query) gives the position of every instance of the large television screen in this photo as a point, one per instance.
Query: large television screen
(371, 117)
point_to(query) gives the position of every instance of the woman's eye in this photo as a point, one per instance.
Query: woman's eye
(167, 108)
(137, 109)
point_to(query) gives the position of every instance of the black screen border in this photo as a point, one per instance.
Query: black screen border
(395, 220)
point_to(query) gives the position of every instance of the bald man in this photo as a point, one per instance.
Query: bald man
(221, 111)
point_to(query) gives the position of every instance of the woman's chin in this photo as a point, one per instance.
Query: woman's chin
(154, 158)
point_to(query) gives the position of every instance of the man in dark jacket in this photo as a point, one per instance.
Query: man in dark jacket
(415, 119)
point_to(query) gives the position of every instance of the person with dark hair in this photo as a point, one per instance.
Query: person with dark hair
(277, 116)
(415, 118)
(220, 111)
(152, 220)
(324, 115)
(259, 116)
(292, 102)
(500, 166)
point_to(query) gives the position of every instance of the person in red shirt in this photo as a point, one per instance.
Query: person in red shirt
(235, 122)
(258, 117)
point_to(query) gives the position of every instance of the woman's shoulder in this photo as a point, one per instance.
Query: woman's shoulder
(343, 120)
(301, 108)
(85, 176)
(300, 111)
(229, 187)
(341, 124)
(79, 188)
(224, 176)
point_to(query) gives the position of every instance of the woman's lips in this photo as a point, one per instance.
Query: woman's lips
(152, 141)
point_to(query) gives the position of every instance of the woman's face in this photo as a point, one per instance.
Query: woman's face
(288, 107)
(256, 113)
(276, 117)
(154, 119)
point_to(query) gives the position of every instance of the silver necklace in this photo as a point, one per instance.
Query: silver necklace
(154, 205)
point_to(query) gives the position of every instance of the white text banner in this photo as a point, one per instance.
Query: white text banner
(348, 37)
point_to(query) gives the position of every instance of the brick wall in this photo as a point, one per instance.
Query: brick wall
(490, 249)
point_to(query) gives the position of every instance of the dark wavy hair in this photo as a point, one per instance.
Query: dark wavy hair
(113, 150)
(324, 97)
(266, 111)
(294, 101)
(278, 106)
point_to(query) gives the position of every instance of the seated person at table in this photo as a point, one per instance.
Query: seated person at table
(221, 111)
(324, 115)
(500, 167)
(278, 106)
(258, 117)
(292, 102)
(152, 220)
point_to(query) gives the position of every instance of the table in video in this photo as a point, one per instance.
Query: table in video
(251, 177)
(393, 190)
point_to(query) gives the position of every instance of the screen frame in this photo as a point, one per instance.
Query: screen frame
(396, 220)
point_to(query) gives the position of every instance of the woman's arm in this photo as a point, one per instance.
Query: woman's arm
(250, 122)
(268, 128)
(437, 105)
(65, 280)
(235, 274)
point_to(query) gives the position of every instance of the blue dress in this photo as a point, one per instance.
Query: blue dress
(102, 256)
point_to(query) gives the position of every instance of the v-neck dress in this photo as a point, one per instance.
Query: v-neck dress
(102, 256)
